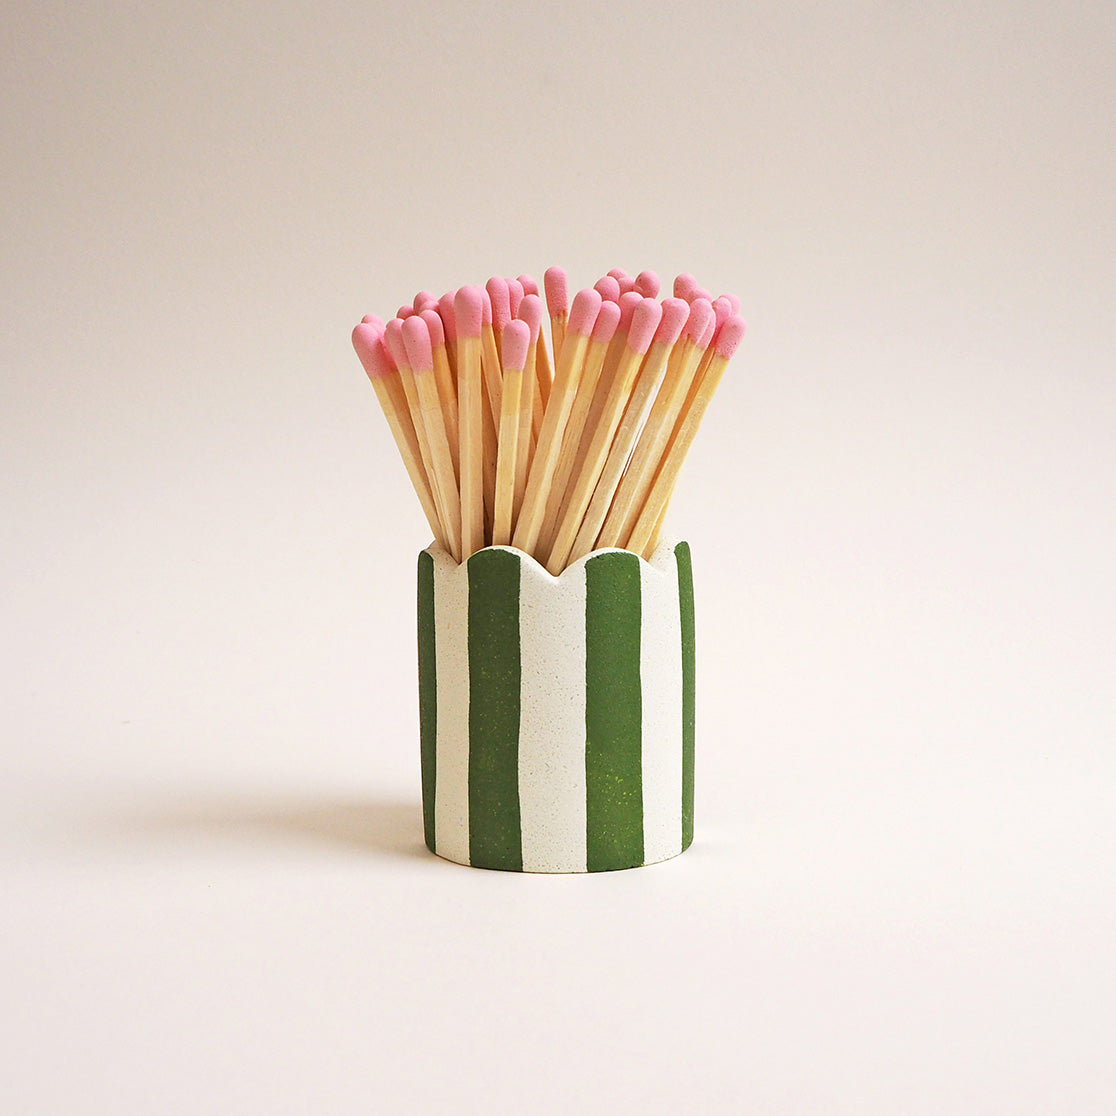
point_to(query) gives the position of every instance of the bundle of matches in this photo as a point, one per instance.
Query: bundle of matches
(504, 452)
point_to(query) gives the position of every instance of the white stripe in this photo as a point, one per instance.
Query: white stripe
(552, 718)
(661, 685)
(451, 627)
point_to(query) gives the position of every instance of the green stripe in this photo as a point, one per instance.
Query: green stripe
(686, 603)
(494, 830)
(428, 693)
(613, 713)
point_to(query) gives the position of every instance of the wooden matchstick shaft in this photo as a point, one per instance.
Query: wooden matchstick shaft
(442, 470)
(679, 446)
(587, 389)
(600, 434)
(470, 399)
(393, 403)
(626, 435)
(648, 453)
(508, 450)
(545, 461)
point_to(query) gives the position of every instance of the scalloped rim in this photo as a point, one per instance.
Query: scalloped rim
(662, 561)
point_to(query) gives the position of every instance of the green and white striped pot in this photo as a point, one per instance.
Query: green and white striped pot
(557, 713)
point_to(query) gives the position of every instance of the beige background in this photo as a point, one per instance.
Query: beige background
(901, 508)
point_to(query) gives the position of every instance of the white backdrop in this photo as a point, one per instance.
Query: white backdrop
(900, 898)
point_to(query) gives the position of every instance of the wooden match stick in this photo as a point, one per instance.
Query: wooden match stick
(724, 346)
(675, 314)
(368, 340)
(531, 312)
(468, 311)
(449, 325)
(582, 317)
(420, 356)
(393, 338)
(636, 483)
(514, 341)
(447, 389)
(604, 328)
(645, 321)
(558, 307)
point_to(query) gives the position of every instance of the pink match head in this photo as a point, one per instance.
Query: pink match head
(722, 310)
(676, 312)
(557, 293)
(645, 321)
(583, 313)
(515, 296)
(421, 298)
(735, 302)
(531, 312)
(416, 340)
(404, 311)
(486, 308)
(629, 300)
(623, 278)
(700, 319)
(608, 318)
(732, 332)
(647, 283)
(435, 325)
(683, 285)
(500, 300)
(468, 311)
(368, 340)
(393, 338)
(700, 292)
(448, 316)
(608, 288)
(528, 284)
(429, 304)
(514, 344)
(372, 319)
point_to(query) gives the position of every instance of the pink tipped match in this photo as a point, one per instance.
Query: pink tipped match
(701, 318)
(434, 323)
(486, 309)
(368, 340)
(372, 319)
(423, 297)
(531, 312)
(645, 321)
(468, 310)
(647, 283)
(557, 292)
(583, 313)
(515, 296)
(405, 311)
(393, 338)
(730, 337)
(448, 316)
(629, 300)
(676, 311)
(700, 292)
(498, 296)
(608, 318)
(735, 302)
(416, 340)
(708, 333)
(514, 344)
(623, 278)
(683, 285)
(722, 310)
(429, 304)
(528, 284)
(608, 288)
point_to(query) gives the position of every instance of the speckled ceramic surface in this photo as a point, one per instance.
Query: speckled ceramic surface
(557, 713)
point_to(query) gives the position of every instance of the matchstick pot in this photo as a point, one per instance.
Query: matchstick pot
(557, 713)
